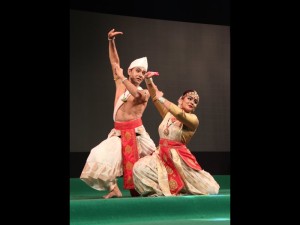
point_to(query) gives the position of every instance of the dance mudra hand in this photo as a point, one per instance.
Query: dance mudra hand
(112, 34)
(150, 74)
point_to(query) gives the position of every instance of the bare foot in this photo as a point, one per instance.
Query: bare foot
(114, 193)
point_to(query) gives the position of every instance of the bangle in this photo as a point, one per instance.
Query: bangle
(110, 39)
(161, 100)
(124, 79)
(154, 99)
(148, 80)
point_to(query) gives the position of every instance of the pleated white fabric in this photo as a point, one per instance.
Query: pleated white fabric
(151, 177)
(104, 163)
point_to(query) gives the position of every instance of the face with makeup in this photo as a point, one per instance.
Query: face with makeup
(137, 75)
(189, 101)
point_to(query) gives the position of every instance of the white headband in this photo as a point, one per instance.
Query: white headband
(141, 62)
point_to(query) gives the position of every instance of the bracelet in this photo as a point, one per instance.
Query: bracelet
(161, 100)
(124, 80)
(149, 80)
(110, 39)
(154, 99)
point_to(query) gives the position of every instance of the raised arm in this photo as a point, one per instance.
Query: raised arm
(188, 119)
(155, 94)
(113, 53)
(164, 106)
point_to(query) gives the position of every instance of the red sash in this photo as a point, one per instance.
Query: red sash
(129, 149)
(175, 181)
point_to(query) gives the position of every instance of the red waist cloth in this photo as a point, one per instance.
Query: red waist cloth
(129, 149)
(175, 181)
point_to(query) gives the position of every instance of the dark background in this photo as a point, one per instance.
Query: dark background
(188, 52)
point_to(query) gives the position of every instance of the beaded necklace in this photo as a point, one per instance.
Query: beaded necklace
(166, 130)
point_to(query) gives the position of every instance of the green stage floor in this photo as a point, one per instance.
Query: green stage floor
(87, 207)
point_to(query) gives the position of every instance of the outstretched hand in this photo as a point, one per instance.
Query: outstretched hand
(150, 74)
(112, 33)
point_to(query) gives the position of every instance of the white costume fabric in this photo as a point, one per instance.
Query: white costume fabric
(104, 163)
(151, 176)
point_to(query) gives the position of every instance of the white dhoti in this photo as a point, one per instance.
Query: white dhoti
(104, 163)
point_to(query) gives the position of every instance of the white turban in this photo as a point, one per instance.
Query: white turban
(141, 62)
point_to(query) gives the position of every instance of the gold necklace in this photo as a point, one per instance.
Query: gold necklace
(166, 130)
